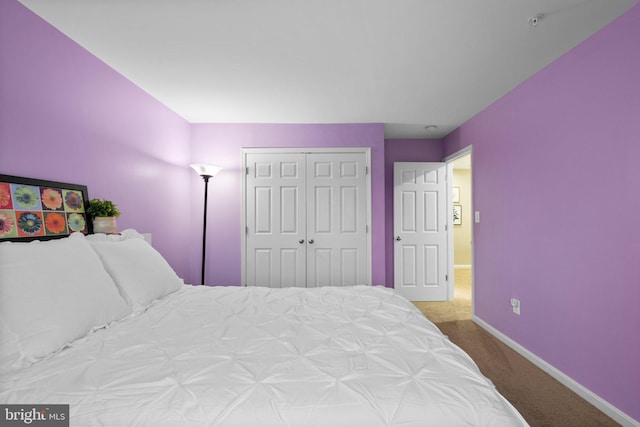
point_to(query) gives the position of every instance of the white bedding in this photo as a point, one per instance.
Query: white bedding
(358, 356)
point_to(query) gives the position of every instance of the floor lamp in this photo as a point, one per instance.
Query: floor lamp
(206, 172)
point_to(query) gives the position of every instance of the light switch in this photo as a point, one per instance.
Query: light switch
(477, 217)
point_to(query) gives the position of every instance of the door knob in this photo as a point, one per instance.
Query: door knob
(311, 241)
(398, 238)
(301, 241)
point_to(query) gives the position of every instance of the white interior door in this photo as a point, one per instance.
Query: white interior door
(276, 220)
(306, 219)
(336, 220)
(420, 230)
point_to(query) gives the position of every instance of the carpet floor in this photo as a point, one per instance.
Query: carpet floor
(542, 400)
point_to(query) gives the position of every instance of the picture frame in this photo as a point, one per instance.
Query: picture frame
(455, 194)
(457, 214)
(36, 209)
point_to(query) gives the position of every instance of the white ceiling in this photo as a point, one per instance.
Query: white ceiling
(404, 63)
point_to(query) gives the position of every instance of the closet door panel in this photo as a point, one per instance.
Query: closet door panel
(276, 220)
(337, 218)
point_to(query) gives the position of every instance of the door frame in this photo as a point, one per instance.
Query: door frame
(304, 150)
(449, 161)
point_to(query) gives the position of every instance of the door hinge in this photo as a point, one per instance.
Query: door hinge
(446, 277)
(366, 170)
(246, 229)
(446, 227)
(246, 170)
(366, 228)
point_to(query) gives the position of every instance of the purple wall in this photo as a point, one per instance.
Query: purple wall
(403, 150)
(221, 144)
(554, 161)
(556, 179)
(66, 116)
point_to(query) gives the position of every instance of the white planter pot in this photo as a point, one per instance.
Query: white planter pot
(104, 224)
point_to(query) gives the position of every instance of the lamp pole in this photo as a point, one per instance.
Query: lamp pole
(204, 227)
(205, 171)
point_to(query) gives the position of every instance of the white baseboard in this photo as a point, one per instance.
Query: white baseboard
(462, 266)
(613, 412)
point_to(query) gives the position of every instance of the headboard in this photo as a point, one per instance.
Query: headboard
(35, 209)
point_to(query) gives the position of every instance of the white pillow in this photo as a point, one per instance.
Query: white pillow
(129, 233)
(51, 293)
(139, 271)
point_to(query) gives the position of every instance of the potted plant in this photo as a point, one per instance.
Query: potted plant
(103, 213)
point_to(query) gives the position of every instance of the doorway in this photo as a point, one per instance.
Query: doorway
(459, 304)
(463, 214)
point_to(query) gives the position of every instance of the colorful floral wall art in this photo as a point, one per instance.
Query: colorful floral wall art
(36, 209)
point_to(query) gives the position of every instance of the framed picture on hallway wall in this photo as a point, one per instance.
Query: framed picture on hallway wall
(34, 209)
(456, 194)
(457, 214)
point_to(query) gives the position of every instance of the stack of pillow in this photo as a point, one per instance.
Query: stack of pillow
(54, 292)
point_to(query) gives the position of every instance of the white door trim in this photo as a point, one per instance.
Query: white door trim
(449, 160)
(451, 272)
(304, 150)
(464, 151)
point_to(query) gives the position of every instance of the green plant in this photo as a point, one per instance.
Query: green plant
(101, 208)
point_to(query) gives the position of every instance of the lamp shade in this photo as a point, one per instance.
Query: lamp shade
(206, 170)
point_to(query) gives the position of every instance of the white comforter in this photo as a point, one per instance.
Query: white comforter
(360, 356)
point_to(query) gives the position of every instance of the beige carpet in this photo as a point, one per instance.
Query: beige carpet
(459, 308)
(541, 399)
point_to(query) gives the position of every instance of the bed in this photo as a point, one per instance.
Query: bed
(103, 324)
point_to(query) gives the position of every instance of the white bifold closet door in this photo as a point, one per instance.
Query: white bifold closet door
(306, 219)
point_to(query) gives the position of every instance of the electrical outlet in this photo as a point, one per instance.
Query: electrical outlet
(477, 217)
(515, 303)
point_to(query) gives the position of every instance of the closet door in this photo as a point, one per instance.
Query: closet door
(275, 220)
(336, 219)
(306, 216)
